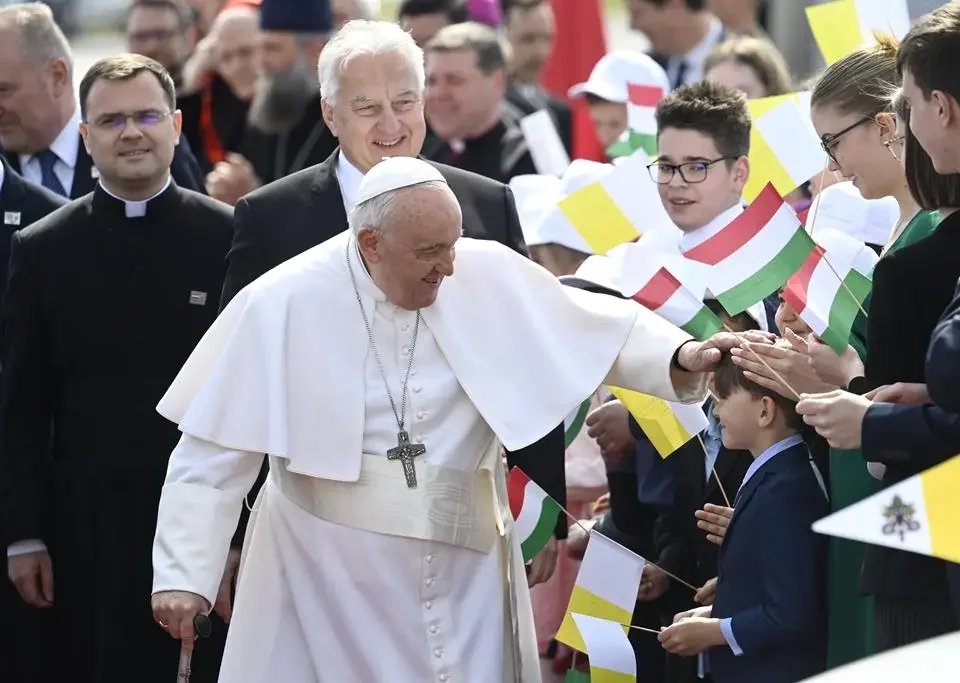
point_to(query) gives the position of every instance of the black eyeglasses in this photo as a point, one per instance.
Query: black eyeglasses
(146, 118)
(829, 140)
(691, 172)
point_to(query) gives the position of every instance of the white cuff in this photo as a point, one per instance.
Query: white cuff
(194, 526)
(32, 545)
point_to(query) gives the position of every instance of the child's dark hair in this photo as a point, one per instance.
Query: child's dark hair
(714, 110)
(727, 378)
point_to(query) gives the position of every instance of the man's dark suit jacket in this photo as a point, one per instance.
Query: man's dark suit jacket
(21, 203)
(184, 168)
(943, 358)
(772, 578)
(532, 98)
(293, 214)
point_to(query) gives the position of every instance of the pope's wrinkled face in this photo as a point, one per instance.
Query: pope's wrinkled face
(378, 110)
(413, 251)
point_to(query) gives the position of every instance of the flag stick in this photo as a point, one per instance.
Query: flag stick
(714, 470)
(764, 363)
(588, 531)
(813, 220)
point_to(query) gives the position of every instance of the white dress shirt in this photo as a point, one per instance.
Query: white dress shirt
(66, 146)
(349, 177)
(694, 59)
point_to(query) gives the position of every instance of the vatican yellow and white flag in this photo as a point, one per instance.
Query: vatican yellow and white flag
(918, 515)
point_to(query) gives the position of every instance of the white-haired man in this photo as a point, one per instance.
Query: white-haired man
(372, 82)
(39, 116)
(365, 562)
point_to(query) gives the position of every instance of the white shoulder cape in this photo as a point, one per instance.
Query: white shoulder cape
(281, 370)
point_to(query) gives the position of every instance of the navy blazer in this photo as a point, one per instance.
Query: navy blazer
(942, 370)
(772, 576)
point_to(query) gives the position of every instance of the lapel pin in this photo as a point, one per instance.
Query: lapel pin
(11, 218)
(198, 298)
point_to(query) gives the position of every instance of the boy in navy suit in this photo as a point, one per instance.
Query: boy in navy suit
(768, 620)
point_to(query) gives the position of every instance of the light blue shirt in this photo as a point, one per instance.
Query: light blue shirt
(794, 440)
(712, 439)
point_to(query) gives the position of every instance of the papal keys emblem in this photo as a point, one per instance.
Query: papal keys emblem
(899, 516)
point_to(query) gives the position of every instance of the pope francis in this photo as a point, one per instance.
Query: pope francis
(382, 378)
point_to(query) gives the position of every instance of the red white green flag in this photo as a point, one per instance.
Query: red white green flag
(641, 130)
(534, 513)
(667, 297)
(574, 422)
(817, 294)
(755, 254)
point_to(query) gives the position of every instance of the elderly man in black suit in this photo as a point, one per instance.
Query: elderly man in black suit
(372, 80)
(39, 116)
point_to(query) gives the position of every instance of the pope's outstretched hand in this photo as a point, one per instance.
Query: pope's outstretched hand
(703, 356)
(175, 610)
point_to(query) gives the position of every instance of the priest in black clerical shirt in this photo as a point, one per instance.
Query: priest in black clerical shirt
(106, 298)
(474, 127)
(285, 132)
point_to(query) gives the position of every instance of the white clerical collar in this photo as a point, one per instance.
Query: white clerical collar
(136, 209)
(364, 280)
(3, 172)
(700, 235)
(66, 145)
(349, 177)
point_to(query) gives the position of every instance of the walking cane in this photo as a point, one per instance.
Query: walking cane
(201, 628)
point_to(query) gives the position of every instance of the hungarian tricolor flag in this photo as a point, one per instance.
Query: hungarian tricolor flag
(755, 254)
(534, 513)
(641, 130)
(667, 297)
(829, 289)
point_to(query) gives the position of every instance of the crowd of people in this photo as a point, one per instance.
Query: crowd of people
(280, 310)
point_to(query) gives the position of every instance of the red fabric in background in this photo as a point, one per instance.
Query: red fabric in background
(580, 44)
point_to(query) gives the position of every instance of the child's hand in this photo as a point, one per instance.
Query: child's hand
(695, 612)
(691, 636)
(714, 519)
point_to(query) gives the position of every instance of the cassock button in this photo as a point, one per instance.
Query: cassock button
(428, 583)
(434, 629)
(443, 677)
(438, 653)
(428, 604)
(421, 414)
(405, 327)
(429, 559)
(405, 350)
(417, 390)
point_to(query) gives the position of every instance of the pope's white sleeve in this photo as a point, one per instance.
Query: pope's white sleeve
(644, 362)
(199, 508)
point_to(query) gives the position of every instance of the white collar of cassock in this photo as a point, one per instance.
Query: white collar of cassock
(136, 209)
(700, 235)
(364, 280)
(349, 177)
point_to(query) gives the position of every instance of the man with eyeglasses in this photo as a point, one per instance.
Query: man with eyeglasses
(162, 30)
(39, 117)
(104, 302)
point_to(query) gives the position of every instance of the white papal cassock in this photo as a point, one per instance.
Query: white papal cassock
(347, 575)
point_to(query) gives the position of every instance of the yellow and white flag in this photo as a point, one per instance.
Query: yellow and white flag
(668, 425)
(606, 588)
(612, 659)
(918, 514)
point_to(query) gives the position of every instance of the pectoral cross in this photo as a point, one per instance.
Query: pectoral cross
(405, 452)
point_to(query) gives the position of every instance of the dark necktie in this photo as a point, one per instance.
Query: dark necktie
(47, 177)
(681, 74)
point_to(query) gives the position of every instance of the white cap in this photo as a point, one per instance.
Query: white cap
(393, 173)
(842, 208)
(615, 70)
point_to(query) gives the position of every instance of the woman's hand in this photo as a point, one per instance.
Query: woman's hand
(831, 368)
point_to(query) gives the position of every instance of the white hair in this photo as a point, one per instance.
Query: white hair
(374, 212)
(363, 37)
(41, 40)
